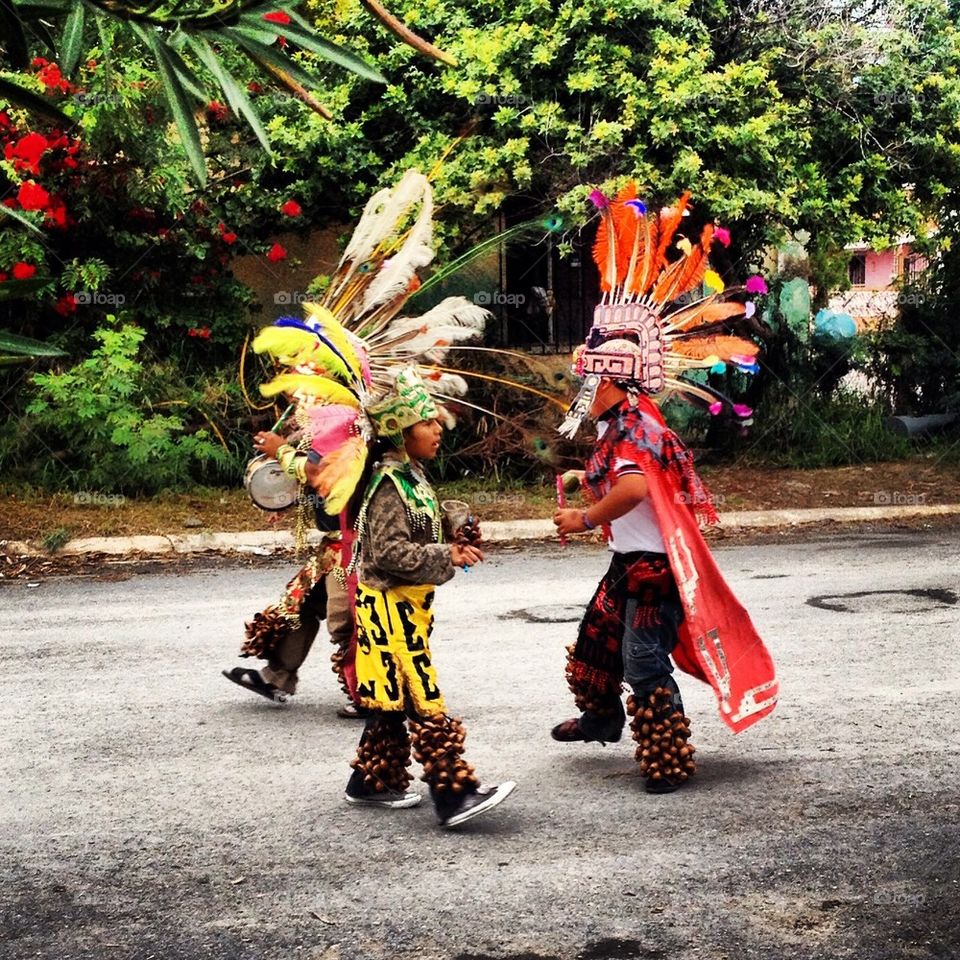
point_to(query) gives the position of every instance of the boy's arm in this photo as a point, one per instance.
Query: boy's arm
(628, 490)
(388, 544)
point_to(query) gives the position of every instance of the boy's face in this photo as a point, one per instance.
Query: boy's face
(608, 394)
(422, 440)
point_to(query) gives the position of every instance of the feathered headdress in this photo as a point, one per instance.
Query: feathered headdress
(343, 361)
(663, 311)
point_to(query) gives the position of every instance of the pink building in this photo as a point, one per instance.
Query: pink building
(876, 279)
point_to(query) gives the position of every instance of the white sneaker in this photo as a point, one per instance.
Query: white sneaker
(486, 798)
(392, 799)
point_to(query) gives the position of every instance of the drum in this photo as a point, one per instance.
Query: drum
(268, 486)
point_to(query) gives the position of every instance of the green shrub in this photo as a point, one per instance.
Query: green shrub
(815, 431)
(115, 423)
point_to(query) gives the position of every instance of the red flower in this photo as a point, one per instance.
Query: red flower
(38, 62)
(27, 151)
(282, 41)
(4, 120)
(229, 239)
(202, 332)
(57, 213)
(66, 305)
(3, 277)
(291, 209)
(278, 16)
(10, 202)
(91, 64)
(276, 253)
(23, 271)
(51, 77)
(217, 111)
(32, 196)
(254, 87)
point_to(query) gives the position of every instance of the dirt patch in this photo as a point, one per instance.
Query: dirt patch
(53, 520)
(906, 483)
(106, 567)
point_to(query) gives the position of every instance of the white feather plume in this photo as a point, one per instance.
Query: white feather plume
(453, 311)
(454, 320)
(444, 384)
(394, 277)
(369, 229)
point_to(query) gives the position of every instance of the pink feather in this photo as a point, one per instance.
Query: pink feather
(330, 426)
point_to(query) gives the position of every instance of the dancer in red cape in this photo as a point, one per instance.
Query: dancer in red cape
(663, 600)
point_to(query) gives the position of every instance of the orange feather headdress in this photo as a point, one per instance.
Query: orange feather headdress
(663, 311)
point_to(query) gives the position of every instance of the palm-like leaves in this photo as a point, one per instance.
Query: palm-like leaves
(169, 27)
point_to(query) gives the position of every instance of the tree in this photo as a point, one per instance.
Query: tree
(185, 42)
(839, 117)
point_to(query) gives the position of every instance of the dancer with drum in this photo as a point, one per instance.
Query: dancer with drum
(284, 632)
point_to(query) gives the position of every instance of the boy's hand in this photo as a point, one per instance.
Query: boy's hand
(470, 532)
(463, 555)
(569, 520)
(268, 443)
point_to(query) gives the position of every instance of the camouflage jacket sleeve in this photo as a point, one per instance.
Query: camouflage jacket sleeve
(392, 552)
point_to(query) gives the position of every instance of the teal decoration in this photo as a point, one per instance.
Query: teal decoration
(833, 328)
(720, 367)
(795, 307)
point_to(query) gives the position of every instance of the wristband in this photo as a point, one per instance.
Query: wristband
(586, 521)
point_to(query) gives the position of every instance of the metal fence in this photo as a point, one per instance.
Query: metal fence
(546, 302)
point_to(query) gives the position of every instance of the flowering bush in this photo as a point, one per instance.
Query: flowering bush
(112, 224)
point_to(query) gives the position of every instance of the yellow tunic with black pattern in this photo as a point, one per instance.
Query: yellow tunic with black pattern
(401, 564)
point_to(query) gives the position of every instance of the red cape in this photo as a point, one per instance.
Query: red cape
(718, 642)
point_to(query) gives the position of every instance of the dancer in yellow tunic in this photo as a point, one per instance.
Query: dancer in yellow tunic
(401, 562)
(370, 386)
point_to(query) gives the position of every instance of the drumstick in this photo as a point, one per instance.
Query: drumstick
(279, 423)
(561, 503)
(283, 416)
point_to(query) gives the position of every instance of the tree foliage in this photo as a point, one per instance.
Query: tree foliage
(839, 118)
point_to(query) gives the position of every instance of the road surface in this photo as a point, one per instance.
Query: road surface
(150, 809)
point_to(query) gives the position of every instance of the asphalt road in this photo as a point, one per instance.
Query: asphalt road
(149, 809)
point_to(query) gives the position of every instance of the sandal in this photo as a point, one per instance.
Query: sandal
(252, 681)
(569, 732)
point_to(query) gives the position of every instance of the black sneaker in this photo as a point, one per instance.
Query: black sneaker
(473, 804)
(663, 785)
(391, 799)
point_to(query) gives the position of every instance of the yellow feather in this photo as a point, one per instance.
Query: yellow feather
(294, 348)
(283, 341)
(339, 473)
(320, 387)
(335, 333)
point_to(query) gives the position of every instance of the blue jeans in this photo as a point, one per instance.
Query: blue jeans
(652, 614)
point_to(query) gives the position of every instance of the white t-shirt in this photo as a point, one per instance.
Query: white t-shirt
(637, 529)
